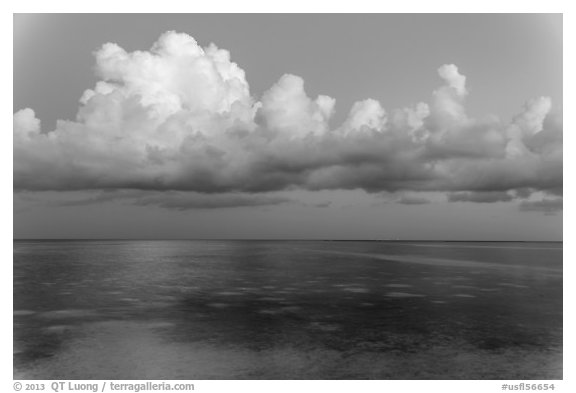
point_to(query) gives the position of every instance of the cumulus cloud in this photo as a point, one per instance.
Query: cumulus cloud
(181, 117)
(286, 110)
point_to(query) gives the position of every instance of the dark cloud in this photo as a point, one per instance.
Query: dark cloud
(548, 206)
(187, 201)
(412, 200)
(176, 200)
(480, 196)
(322, 204)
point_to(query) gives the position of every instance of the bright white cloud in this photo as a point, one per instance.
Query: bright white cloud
(367, 115)
(287, 111)
(454, 80)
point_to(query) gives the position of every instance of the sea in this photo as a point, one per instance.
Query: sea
(314, 310)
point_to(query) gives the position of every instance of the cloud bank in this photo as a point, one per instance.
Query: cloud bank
(180, 117)
(480, 197)
(412, 200)
(549, 206)
(173, 200)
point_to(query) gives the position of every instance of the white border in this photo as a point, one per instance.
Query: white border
(304, 6)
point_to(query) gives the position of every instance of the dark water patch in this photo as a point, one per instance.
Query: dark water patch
(510, 285)
(403, 295)
(23, 313)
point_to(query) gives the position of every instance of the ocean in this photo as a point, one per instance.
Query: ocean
(287, 310)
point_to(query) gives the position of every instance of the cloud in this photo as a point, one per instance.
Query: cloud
(412, 200)
(321, 204)
(549, 206)
(480, 196)
(175, 200)
(453, 78)
(365, 115)
(286, 110)
(188, 201)
(181, 117)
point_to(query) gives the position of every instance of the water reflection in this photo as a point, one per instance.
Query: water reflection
(313, 310)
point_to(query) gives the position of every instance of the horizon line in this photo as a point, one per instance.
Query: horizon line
(290, 239)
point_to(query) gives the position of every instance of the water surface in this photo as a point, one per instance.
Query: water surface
(287, 310)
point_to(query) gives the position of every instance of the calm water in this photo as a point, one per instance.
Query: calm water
(287, 310)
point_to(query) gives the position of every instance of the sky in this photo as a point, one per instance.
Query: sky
(364, 126)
